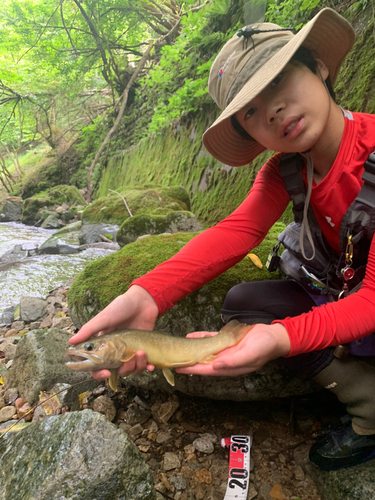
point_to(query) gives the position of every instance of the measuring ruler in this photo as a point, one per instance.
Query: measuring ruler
(239, 466)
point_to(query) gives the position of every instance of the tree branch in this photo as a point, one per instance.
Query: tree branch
(124, 98)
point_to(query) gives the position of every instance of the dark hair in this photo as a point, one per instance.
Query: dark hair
(303, 56)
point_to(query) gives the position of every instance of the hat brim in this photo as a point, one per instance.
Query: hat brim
(328, 35)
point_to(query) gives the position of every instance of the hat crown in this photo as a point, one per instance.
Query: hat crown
(236, 53)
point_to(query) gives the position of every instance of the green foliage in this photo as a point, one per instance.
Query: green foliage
(290, 12)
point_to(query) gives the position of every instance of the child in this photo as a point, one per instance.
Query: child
(275, 92)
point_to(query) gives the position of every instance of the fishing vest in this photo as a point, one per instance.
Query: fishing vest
(329, 273)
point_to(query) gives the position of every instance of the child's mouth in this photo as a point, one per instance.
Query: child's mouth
(292, 127)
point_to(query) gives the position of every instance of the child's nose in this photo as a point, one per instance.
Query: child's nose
(274, 111)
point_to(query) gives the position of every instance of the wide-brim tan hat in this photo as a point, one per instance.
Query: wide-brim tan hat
(247, 64)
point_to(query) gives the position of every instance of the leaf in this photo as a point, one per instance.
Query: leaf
(80, 399)
(50, 403)
(15, 428)
(1, 381)
(255, 260)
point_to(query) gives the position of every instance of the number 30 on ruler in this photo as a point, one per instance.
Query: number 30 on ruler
(239, 466)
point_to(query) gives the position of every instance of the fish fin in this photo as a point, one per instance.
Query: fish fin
(128, 354)
(237, 329)
(229, 327)
(113, 379)
(210, 359)
(168, 375)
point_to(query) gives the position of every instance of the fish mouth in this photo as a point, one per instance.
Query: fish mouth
(81, 360)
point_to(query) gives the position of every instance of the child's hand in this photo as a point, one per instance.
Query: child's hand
(260, 345)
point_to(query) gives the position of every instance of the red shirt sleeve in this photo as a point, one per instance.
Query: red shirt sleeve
(217, 249)
(338, 322)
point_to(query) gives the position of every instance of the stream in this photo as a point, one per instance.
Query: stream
(37, 275)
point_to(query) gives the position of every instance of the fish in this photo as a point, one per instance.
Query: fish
(163, 350)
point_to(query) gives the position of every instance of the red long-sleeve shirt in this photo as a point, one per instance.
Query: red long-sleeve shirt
(220, 247)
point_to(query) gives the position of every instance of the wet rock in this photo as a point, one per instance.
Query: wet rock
(40, 363)
(72, 447)
(90, 233)
(56, 245)
(104, 405)
(8, 316)
(32, 308)
(7, 413)
(12, 210)
(51, 222)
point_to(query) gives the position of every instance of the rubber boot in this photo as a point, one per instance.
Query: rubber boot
(353, 382)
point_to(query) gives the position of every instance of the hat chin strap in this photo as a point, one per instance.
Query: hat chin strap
(305, 227)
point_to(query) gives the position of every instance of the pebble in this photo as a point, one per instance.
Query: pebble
(178, 482)
(204, 445)
(47, 322)
(104, 405)
(10, 351)
(171, 461)
(11, 333)
(167, 410)
(163, 437)
(18, 325)
(7, 413)
(62, 323)
(203, 476)
(10, 396)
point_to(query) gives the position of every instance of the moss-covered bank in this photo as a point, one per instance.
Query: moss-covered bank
(103, 280)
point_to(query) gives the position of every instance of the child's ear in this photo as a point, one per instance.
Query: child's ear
(322, 69)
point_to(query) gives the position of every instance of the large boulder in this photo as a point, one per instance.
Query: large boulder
(54, 197)
(141, 201)
(11, 210)
(345, 484)
(139, 225)
(39, 363)
(103, 280)
(75, 456)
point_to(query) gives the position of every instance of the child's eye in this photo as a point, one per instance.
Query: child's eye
(249, 113)
(276, 80)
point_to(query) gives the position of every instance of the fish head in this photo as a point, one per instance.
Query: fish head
(95, 354)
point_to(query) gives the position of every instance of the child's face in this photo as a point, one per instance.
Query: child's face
(291, 113)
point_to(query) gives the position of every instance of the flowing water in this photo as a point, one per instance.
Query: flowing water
(37, 275)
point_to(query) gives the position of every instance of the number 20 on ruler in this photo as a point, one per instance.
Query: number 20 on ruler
(239, 466)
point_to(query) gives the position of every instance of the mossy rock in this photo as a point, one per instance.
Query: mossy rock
(103, 280)
(139, 225)
(150, 201)
(45, 199)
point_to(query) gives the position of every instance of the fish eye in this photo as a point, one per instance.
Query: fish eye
(88, 346)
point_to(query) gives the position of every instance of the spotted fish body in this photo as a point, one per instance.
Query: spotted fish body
(162, 350)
